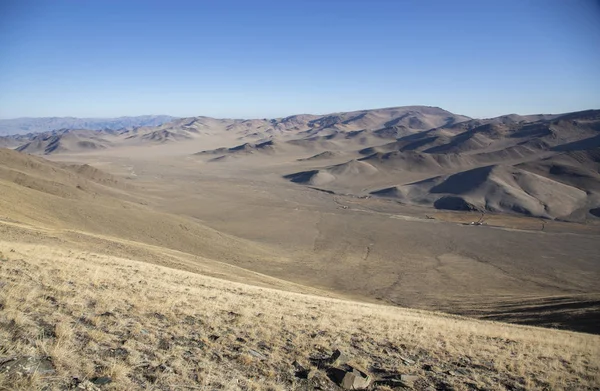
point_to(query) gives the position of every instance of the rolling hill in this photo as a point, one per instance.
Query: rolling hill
(101, 284)
(540, 165)
(66, 141)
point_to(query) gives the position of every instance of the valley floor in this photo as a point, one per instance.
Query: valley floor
(513, 268)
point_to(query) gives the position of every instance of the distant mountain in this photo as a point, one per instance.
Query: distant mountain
(544, 165)
(37, 125)
(65, 141)
(344, 130)
(539, 165)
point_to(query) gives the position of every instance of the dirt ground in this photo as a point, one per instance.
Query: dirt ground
(512, 268)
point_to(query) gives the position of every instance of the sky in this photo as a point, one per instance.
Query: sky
(265, 59)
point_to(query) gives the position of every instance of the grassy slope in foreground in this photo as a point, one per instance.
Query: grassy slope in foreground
(151, 327)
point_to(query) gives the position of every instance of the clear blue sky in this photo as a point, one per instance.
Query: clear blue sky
(100, 58)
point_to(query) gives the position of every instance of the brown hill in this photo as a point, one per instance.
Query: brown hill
(546, 150)
(494, 188)
(337, 174)
(322, 156)
(66, 141)
(266, 147)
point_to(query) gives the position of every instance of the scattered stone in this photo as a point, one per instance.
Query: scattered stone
(27, 366)
(320, 361)
(458, 372)
(409, 378)
(430, 368)
(443, 386)
(303, 372)
(378, 368)
(403, 381)
(297, 365)
(349, 377)
(338, 358)
(256, 354)
(164, 344)
(407, 361)
(264, 346)
(119, 352)
(101, 380)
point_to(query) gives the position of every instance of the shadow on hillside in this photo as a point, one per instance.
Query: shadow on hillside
(565, 312)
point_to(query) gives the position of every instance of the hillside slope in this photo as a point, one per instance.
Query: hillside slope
(65, 141)
(85, 318)
(83, 199)
(497, 189)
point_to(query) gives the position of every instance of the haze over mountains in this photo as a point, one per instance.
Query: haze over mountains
(36, 125)
(544, 165)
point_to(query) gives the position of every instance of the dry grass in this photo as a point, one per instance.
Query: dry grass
(245, 223)
(150, 327)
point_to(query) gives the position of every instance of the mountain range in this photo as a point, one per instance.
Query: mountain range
(36, 125)
(544, 165)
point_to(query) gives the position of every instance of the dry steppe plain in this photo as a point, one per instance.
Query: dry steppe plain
(184, 257)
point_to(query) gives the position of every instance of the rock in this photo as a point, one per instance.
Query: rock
(409, 378)
(101, 380)
(350, 378)
(303, 373)
(264, 346)
(300, 372)
(338, 358)
(407, 361)
(164, 344)
(119, 352)
(430, 368)
(458, 372)
(403, 381)
(256, 354)
(445, 386)
(27, 366)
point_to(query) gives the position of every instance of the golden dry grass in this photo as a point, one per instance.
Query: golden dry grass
(151, 327)
(240, 223)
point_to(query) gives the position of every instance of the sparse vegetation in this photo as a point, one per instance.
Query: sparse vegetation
(149, 327)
